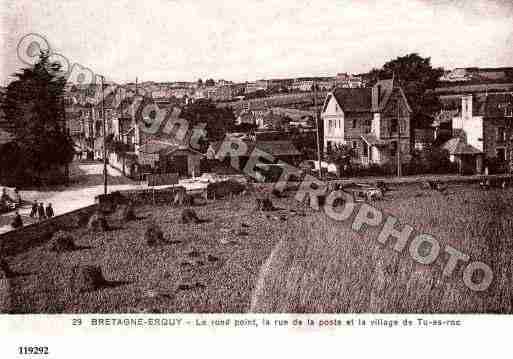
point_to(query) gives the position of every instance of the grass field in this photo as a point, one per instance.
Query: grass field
(316, 265)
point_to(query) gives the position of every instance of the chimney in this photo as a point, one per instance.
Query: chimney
(466, 107)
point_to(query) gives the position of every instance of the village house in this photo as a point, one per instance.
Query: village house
(374, 122)
(279, 150)
(485, 123)
(348, 81)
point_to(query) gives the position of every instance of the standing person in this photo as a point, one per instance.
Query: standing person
(41, 211)
(33, 212)
(17, 197)
(17, 222)
(49, 211)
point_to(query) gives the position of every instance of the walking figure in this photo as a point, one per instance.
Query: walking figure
(17, 197)
(41, 211)
(33, 212)
(49, 211)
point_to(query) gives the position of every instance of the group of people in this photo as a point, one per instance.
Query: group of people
(40, 212)
(13, 201)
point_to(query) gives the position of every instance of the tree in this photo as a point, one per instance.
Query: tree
(210, 83)
(218, 120)
(34, 104)
(341, 155)
(200, 82)
(417, 77)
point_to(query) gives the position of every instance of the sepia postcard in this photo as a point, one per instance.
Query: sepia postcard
(286, 172)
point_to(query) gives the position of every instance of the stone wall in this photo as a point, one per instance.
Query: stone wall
(36, 234)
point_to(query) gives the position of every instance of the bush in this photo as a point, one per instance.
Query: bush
(87, 278)
(189, 216)
(495, 165)
(224, 188)
(432, 160)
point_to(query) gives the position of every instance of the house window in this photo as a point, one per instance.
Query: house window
(508, 111)
(365, 150)
(354, 123)
(368, 126)
(501, 154)
(501, 134)
(393, 148)
(402, 126)
(393, 125)
(329, 147)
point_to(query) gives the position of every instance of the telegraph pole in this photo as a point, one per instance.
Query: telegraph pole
(317, 129)
(399, 172)
(104, 141)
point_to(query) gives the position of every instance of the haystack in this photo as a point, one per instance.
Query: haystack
(126, 212)
(427, 185)
(265, 204)
(88, 278)
(62, 241)
(98, 223)
(153, 234)
(189, 216)
(278, 194)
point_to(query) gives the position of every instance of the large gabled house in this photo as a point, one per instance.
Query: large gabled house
(373, 121)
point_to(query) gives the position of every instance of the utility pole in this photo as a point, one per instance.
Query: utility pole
(399, 172)
(67, 132)
(317, 129)
(104, 141)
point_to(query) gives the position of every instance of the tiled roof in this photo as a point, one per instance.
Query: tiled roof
(354, 99)
(457, 146)
(494, 104)
(277, 148)
(274, 148)
(155, 146)
(367, 99)
(179, 150)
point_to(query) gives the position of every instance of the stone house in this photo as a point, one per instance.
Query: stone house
(375, 122)
(486, 123)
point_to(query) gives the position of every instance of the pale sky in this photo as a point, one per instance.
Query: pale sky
(243, 40)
